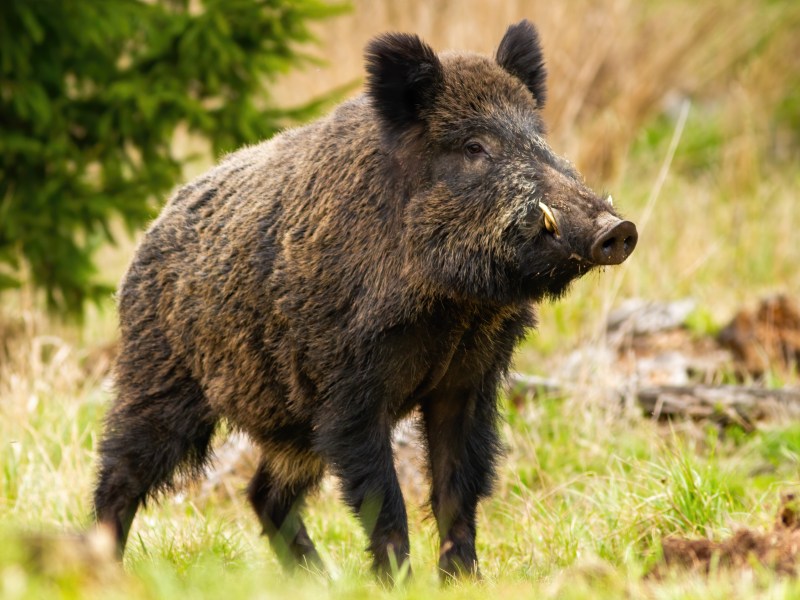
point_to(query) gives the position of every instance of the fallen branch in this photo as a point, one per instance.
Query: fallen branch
(725, 404)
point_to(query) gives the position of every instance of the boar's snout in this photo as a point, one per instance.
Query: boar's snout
(614, 243)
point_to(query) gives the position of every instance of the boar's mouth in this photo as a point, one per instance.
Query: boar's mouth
(549, 275)
(613, 243)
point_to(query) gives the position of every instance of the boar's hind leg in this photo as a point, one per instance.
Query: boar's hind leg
(463, 445)
(149, 434)
(276, 494)
(359, 451)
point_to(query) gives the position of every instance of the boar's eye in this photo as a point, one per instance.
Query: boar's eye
(474, 149)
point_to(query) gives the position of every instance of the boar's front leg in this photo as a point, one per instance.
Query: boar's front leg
(355, 438)
(463, 446)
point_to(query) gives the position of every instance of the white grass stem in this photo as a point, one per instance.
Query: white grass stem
(615, 283)
(655, 192)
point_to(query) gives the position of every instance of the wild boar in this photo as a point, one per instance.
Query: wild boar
(314, 289)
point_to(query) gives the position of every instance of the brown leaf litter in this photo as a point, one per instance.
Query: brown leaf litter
(765, 338)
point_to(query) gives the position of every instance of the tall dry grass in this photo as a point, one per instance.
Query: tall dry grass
(47, 400)
(613, 64)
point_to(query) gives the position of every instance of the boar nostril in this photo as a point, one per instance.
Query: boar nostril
(614, 243)
(629, 243)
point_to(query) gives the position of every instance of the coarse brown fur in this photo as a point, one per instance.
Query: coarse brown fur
(313, 289)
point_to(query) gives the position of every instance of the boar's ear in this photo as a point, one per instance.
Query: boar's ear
(521, 55)
(404, 76)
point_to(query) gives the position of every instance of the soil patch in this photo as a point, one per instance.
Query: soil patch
(777, 550)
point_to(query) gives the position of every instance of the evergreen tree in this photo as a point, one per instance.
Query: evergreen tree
(91, 92)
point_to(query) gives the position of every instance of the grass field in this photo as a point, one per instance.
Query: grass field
(688, 113)
(585, 494)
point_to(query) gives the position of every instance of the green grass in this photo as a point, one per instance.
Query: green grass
(585, 493)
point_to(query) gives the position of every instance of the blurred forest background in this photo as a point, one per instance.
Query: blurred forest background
(687, 111)
(106, 106)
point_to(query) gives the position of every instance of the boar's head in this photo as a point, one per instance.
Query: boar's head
(489, 211)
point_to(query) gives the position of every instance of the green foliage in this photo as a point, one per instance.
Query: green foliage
(90, 96)
(781, 448)
(698, 494)
(701, 144)
(701, 323)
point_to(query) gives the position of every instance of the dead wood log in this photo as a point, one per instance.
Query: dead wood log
(724, 404)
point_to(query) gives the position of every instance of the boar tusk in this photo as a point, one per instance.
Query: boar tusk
(610, 200)
(549, 219)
